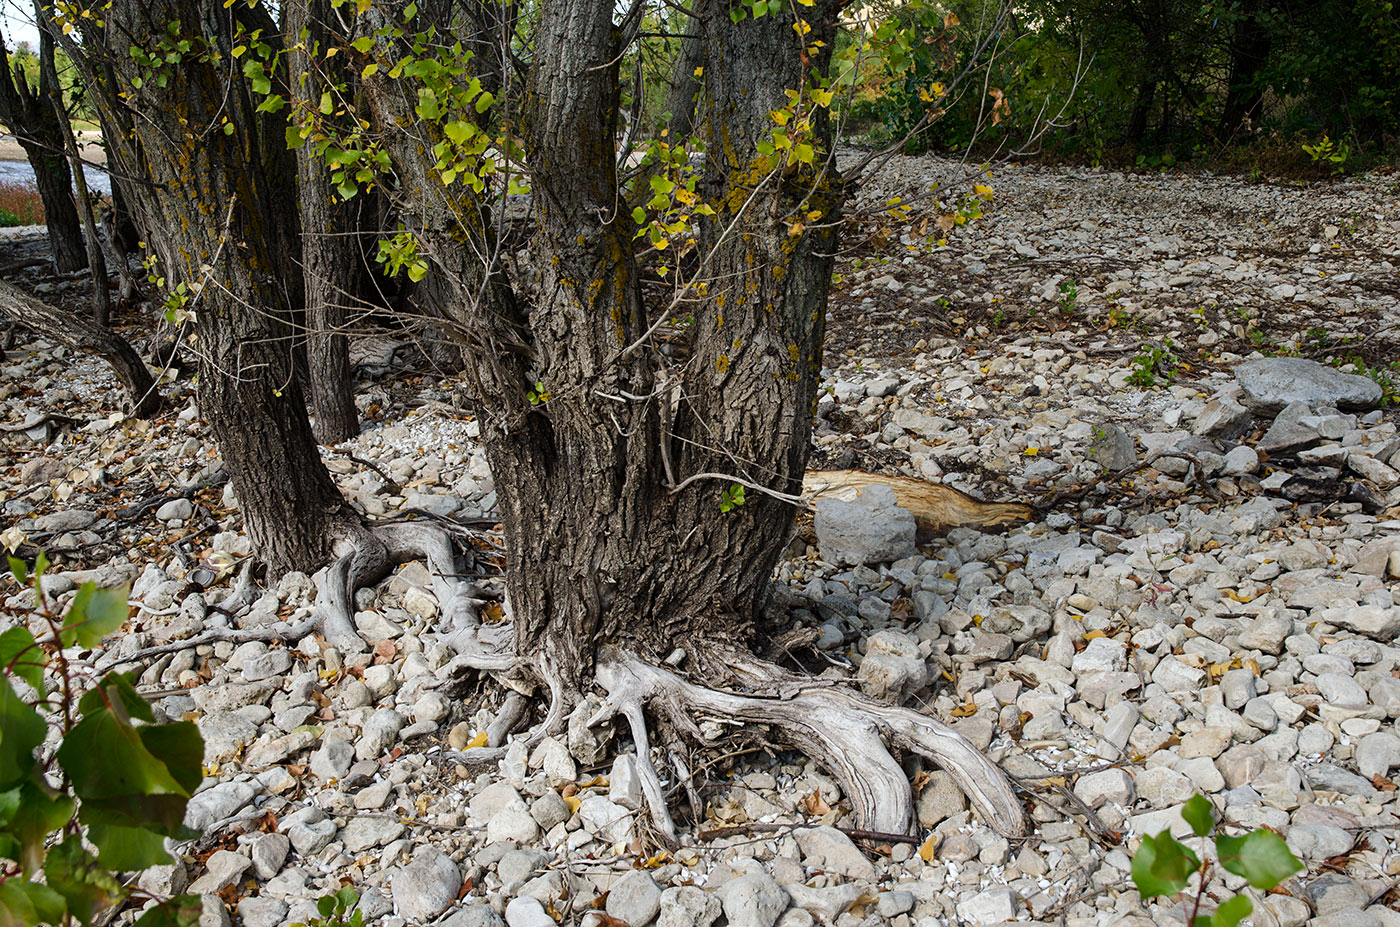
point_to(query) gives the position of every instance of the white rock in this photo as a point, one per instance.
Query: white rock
(993, 906)
(427, 886)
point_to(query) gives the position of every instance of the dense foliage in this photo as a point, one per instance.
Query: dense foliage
(1161, 79)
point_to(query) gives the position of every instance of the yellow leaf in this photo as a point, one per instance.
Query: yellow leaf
(950, 20)
(1032, 451)
(930, 846)
(964, 711)
(478, 741)
(1094, 635)
(573, 801)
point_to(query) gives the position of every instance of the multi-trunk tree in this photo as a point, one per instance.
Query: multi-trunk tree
(645, 495)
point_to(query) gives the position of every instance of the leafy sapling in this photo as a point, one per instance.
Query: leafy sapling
(114, 788)
(1163, 865)
(337, 910)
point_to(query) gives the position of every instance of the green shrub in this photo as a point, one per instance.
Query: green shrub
(1163, 865)
(83, 766)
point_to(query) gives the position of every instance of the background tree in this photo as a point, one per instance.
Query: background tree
(26, 108)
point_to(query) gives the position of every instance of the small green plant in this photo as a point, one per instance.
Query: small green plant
(1118, 317)
(1329, 153)
(1163, 865)
(1387, 377)
(538, 396)
(337, 910)
(999, 320)
(733, 498)
(1152, 362)
(1318, 337)
(1069, 295)
(104, 799)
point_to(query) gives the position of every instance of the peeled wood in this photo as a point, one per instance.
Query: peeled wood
(80, 334)
(936, 508)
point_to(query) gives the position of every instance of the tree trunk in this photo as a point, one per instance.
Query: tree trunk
(28, 113)
(221, 210)
(81, 335)
(332, 258)
(613, 531)
(1249, 53)
(92, 243)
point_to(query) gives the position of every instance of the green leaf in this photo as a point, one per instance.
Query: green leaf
(107, 610)
(294, 138)
(77, 614)
(327, 104)
(72, 871)
(1200, 814)
(120, 846)
(9, 804)
(116, 689)
(458, 131)
(363, 45)
(21, 656)
(41, 812)
(20, 571)
(25, 904)
(21, 730)
(1161, 866)
(1260, 857)
(181, 748)
(180, 911)
(483, 102)
(111, 769)
(1232, 911)
(639, 216)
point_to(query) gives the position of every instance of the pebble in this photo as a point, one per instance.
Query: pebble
(1239, 644)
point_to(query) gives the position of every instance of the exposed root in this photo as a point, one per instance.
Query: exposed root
(849, 734)
(554, 723)
(370, 557)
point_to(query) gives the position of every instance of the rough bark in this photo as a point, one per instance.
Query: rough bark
(221, 211)
(599, 546)
(81, 335)
(332, 263)
(30, 115)
(92, 242)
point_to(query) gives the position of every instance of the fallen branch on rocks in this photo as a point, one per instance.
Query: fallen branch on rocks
(936, 508)
(80, 334)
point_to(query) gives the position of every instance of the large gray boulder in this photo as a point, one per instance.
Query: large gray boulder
(871, 528)
(1271, 383)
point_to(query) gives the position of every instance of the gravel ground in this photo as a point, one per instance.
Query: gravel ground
(1206, 602)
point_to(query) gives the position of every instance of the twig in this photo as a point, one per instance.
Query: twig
(853, 832)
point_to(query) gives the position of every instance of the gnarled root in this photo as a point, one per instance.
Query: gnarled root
(847, 733)
(371, 554)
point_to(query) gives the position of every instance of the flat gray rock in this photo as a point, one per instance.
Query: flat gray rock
(1271, 383)
(872, 528)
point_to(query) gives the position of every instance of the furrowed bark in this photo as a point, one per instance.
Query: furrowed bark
(28, 113)
(333, 265)
(221, 209)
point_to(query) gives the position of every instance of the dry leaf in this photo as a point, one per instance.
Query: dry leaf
(964, 711)
(813, 803)
(929, 847)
